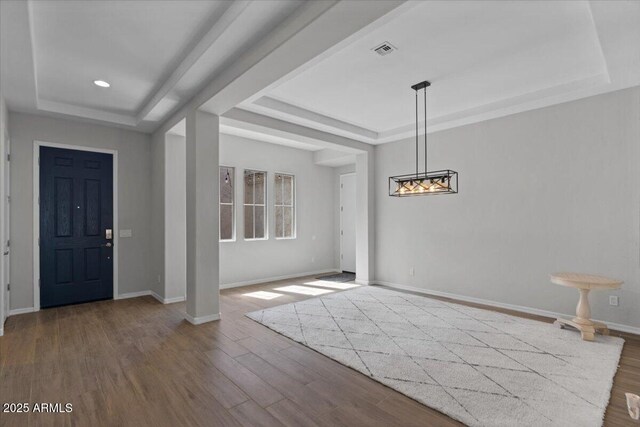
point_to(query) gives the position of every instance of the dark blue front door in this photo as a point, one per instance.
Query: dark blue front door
(76, 210)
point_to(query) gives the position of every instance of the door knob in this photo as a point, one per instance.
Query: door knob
(108, 245)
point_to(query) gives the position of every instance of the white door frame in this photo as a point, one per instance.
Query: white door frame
(340, 235)
(36, 213)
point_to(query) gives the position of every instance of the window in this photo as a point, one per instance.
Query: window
(285, 206)
(227, 214)
(255, 194)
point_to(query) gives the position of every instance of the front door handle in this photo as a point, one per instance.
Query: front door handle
(108, 245)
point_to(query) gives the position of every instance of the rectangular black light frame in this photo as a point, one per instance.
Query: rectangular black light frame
(411, 183)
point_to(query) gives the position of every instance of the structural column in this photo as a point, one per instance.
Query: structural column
(203, 258)
(365, 192)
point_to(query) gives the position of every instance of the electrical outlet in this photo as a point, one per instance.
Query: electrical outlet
(613, 300)
(159, 279)
(412, 271)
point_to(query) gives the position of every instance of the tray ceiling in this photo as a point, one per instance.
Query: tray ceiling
(485, 59)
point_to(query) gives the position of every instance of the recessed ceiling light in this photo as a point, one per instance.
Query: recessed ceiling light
(101, 83)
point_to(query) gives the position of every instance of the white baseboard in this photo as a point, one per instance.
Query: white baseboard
(363, 282)
(521, 308)
(15, 311)
(133, 295)
(167, 300)
(1, 332)
(202, 319)
(273, 279)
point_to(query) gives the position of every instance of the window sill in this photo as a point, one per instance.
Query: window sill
(256, 240)
(286, 238)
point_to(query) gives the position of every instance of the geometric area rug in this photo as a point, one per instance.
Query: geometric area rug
(480, 367)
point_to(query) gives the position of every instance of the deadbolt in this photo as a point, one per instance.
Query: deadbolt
(108, 234)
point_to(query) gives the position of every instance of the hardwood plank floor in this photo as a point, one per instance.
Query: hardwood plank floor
(136, 362)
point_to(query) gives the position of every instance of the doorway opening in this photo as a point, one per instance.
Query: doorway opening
(348, 223)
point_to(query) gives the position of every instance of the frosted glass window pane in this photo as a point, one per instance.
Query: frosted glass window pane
(259, 212)
(288, 222)
(288, 190)
(227, 202)
(248, 187)
(226, 222)
(259, 188)
(226, 185)
(278, 189)
(248, 222)
(279, 222)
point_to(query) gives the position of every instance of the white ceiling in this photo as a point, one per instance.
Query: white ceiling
(155, 54)
(484, 59)
(100, 41)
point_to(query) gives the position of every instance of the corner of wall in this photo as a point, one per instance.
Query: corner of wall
(156, 267)
(3, 130)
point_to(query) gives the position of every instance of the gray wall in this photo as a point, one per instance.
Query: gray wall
(312, 250)
(134, 187)
(554, 189)
(245, 261)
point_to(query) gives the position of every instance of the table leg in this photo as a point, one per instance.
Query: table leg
(601, 328)
(582, 321)
(587, 336)
(583, 310)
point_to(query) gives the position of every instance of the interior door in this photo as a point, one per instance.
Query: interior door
(348, 223)
(76, 226)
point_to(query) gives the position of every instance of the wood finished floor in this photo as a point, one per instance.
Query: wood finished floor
(136, 362)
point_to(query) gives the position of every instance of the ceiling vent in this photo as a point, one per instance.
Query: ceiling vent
(384, 49)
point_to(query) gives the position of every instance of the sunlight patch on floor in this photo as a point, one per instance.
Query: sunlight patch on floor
(332, 285)
(262, 295)
(303, 290)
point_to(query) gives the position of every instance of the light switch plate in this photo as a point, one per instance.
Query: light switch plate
(613, 300)
(126, 233)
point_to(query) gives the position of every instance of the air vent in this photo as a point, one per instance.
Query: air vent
(384, 49)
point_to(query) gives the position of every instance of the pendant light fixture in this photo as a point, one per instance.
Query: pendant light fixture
(428, 182)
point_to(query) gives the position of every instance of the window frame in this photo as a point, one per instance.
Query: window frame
(265, 205)
(233, 207)
(293, 206)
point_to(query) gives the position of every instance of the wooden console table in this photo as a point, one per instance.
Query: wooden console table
(584, 283)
